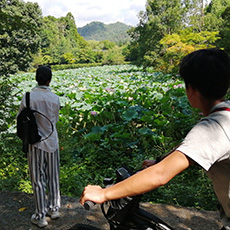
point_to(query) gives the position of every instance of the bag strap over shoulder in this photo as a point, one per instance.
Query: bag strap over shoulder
(28, 100)
(221, 109)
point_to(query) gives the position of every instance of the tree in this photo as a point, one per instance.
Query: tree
(161, 18)
(176, 46)
(224, 42)
(60, 37)
(213, 18)
(19, 34)
(113, 56)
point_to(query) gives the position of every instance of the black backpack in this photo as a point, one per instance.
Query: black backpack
(27, 129)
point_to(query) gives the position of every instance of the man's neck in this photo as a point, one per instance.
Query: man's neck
(207, 105)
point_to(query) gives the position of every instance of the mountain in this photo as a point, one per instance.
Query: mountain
(115, 32)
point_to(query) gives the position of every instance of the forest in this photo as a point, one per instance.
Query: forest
(121, 103)
(166, 32)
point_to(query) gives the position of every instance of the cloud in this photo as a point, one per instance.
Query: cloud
(86, 11)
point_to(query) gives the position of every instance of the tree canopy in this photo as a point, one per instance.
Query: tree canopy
(26, 36)
(160, 18)
(20, 24)
(164, 18)
(59, 37)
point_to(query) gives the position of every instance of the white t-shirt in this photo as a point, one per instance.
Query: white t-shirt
(208, 144)
(47, 103)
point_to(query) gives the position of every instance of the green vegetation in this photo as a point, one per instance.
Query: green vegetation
(167, 31)
(19, 35)
(193, 20)
(111, 115)
(62, 44)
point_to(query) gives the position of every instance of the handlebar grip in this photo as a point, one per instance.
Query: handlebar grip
(88, 204)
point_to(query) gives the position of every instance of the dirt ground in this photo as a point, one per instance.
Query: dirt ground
(16, 209)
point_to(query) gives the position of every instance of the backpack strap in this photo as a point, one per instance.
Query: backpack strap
(221, 109)
(28, 99)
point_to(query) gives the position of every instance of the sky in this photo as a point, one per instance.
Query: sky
(86, 11)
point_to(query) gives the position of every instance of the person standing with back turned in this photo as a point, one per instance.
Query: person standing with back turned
(206, 74)
(43, 156)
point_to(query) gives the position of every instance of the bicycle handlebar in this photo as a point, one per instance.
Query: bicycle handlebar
(122, 174)
(89, 204)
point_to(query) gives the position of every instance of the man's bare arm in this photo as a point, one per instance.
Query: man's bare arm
(141, 182)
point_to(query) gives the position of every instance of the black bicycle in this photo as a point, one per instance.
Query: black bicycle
(125, 213)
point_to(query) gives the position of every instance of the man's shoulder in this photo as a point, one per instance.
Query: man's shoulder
(38, 94)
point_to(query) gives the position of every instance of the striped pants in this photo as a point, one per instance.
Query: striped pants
(44, 175)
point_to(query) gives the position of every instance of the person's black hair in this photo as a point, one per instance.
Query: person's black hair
(207, 70)
(43, 74)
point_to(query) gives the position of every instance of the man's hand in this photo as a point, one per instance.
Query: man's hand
(93, 193)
